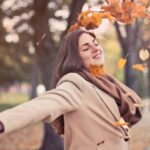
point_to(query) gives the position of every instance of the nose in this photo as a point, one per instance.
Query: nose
(94, 48)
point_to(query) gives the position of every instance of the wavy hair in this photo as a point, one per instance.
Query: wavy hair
(68, 60)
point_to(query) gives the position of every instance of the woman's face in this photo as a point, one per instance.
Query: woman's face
(90, 51)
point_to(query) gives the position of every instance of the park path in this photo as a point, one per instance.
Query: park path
(141, 134)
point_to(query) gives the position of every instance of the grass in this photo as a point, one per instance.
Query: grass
(8, 100)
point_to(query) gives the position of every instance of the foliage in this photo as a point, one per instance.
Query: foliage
(125, 12)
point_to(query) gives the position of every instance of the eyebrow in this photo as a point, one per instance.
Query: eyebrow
(85, 44)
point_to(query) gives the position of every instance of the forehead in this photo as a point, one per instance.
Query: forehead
(85, 38)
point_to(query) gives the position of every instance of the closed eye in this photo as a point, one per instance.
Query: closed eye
(85, 49)
(87, 44)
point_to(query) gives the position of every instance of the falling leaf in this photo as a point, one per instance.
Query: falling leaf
(73, 27)
(43, 36)
(139, 67)
(96, 70)
(121, 63)
(144, 54)
(89, 19)
(125, 11)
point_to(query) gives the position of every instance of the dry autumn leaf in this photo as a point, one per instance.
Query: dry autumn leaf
(89, 19)
(139, 67)
(144, 54)
(125, 11)
(96, 70)
(121, 63)
(120, 122)
(73, 27)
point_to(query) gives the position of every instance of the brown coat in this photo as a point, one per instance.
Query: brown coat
(89, 115)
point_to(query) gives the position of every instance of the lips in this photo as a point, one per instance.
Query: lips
(97, 55)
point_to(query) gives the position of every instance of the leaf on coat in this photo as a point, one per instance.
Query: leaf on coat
(144, 54)
(120, 122)
(121, 63)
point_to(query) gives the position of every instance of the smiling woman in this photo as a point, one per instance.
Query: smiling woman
(92, 111)
(90, 51)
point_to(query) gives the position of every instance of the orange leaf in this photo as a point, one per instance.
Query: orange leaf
(121, 63)
(120, 122)
(89, 19)
(73, 28)
(96, 70)
(139, 67)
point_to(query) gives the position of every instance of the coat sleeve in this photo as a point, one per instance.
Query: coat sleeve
(50, 105)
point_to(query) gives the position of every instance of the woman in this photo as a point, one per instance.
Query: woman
(85, 104)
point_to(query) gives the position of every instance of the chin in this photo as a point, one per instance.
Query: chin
(100, 62)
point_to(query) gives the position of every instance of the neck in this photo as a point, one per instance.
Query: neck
(96, 70)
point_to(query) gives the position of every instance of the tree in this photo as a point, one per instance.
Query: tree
(130, 46)
(48, 143)
(10, 58)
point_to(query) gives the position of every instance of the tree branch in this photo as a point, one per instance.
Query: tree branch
(75, 9)
(119, 35)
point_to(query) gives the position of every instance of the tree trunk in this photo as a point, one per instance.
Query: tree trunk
(45, 50)
(75, 10)
(130, 44)
(34, 77)
(51, 140)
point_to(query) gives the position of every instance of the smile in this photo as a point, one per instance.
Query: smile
(97, 56)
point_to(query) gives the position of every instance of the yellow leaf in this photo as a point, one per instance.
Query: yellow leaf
(121, 63)
(120, 122)
(139, 67)
(144, 54)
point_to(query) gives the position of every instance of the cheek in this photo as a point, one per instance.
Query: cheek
(86, 57)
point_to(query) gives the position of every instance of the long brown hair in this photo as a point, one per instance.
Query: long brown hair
(68, 60)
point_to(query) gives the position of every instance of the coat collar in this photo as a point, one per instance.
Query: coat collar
(111, 104)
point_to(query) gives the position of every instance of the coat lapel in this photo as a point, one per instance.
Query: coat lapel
(109, 102)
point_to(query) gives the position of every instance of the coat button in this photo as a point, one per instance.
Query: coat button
(126, 138)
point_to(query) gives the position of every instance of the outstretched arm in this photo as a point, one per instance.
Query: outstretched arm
(65, 98)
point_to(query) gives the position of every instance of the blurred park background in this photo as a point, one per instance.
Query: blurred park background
(30, 33)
